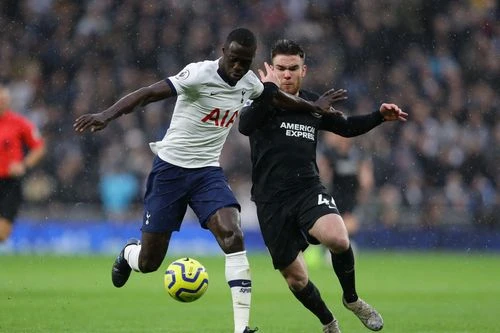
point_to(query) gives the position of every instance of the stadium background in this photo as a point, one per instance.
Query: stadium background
(435, 179)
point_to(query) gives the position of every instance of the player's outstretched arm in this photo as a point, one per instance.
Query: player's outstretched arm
(322, 105)
(127, 104)
(357, 125)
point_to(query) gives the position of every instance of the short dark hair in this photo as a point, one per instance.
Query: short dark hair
(287, 47)
(241, 36)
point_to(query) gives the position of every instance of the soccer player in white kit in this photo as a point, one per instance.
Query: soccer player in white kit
(186, 168)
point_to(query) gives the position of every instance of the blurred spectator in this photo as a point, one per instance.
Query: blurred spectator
(437, 59)
(388, 208)
(350, 176)
(118, 189)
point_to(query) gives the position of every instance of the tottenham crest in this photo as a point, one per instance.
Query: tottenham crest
(184, 74)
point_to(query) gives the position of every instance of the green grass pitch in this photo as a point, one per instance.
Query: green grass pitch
(415, 292)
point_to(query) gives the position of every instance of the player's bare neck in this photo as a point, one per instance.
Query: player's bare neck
(226, 79)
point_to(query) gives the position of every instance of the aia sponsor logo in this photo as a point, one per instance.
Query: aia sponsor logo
(220, 118)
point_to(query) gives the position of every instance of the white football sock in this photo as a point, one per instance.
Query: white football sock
(131, 254)
(238, 278)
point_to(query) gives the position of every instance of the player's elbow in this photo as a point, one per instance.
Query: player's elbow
(348, 134)
(244, 127)
(245, 130)
(345, 132)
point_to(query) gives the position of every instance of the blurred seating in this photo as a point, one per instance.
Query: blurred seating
(439, 60)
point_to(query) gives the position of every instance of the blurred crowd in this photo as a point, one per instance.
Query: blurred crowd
(439, 60)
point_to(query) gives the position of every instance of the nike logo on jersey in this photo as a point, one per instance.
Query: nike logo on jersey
(220, 118)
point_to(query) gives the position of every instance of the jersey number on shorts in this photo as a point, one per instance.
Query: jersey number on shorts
(322, 200)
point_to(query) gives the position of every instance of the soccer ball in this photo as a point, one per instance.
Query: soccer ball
(186, 280)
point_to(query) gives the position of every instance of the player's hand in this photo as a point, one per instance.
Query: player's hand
(392, 112)
(325, 102)
(92, 121)
(17, 169)
(269, 75)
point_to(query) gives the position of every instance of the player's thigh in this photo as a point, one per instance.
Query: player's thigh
(330, 231)
(212, 193)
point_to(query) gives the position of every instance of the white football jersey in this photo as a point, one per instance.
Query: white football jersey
(205, 111)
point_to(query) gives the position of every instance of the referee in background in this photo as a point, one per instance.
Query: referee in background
(21, 148)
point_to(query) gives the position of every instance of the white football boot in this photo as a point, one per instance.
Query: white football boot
(366, 313)
(332, 327)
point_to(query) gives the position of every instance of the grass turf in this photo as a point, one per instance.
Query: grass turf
(415, 292)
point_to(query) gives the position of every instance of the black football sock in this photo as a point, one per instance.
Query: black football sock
(311, 299)
(343, 265)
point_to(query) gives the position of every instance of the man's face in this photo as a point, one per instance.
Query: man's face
(290, 70)
(237, 60)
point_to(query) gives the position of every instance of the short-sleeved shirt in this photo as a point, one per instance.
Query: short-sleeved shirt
(16, 134)
(205, 111)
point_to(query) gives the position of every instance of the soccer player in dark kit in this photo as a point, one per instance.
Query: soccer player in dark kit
(293, 207)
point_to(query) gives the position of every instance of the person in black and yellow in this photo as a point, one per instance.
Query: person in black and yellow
(293, 208)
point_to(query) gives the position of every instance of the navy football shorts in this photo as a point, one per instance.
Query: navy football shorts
(170, 189)
(285, 224)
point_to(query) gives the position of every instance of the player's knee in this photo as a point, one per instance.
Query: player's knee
(344, 244)
(232, 241)
(339, 244)
(296, 285)
(296, 282)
